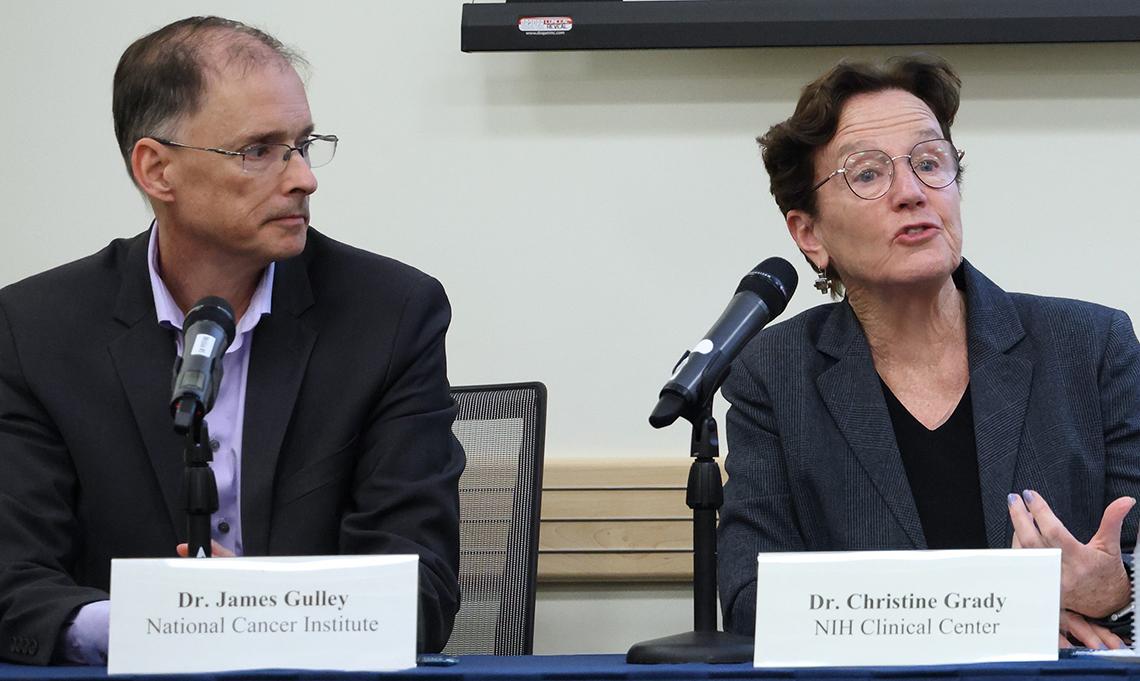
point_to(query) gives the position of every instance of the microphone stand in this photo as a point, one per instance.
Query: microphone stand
(704, 495)
(199, 486)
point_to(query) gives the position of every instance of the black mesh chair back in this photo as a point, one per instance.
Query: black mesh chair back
(502, 428)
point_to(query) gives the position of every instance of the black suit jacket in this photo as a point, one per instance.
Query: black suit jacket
(347, 445)
(813, 463)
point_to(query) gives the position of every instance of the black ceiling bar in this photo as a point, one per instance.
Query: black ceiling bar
(658, 24)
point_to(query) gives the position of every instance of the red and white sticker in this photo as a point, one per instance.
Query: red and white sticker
(545, 25)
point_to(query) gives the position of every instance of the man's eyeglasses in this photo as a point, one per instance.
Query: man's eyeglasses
(870, 173)
(317, 151)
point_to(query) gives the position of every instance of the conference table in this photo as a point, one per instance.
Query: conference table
(613, 667)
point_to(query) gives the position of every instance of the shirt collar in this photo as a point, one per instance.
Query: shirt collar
(169, 314)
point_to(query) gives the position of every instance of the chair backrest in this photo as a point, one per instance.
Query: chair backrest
(502, 428)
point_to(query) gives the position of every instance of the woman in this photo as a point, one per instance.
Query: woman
(929, 408)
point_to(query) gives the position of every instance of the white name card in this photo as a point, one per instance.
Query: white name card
(907, 607)
(350, 613)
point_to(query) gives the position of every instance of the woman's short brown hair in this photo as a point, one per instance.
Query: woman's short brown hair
(789, 147)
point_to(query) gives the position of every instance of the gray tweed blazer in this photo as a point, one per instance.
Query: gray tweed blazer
(813, 464)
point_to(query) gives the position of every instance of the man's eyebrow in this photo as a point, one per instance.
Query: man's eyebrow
(272, 136)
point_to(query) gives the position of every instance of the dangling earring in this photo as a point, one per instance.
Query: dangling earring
(822, 281)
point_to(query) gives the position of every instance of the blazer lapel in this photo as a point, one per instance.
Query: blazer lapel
(282, 344)
(144, 359)
(851, 391)
(999, 389)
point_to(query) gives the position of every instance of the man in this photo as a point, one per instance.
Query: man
(331, 429)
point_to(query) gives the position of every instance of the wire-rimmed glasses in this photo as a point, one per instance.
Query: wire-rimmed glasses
(869, 174)
(317, 150)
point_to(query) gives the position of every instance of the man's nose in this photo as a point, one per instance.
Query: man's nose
(298, 176)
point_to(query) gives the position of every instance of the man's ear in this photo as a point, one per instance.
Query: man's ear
(802, 226)
(150, 165)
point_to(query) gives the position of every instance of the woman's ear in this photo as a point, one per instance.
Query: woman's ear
(803, 228)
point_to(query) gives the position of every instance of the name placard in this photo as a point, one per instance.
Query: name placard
(351, 613)
(907, 607)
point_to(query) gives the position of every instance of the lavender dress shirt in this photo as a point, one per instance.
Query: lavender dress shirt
(85, 638)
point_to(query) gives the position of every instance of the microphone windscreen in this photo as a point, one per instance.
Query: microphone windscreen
(774, 280)
(213, 309)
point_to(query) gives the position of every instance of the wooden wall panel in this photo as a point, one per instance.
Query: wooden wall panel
(569, 535)
(614, 504)
(615, 521)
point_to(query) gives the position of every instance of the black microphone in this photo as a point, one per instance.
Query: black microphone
(206, 333)
(762, 295)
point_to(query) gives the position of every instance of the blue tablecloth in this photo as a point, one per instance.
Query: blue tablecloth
(567, 667)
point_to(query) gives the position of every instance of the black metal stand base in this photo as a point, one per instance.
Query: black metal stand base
(710, 647)
(704, 495)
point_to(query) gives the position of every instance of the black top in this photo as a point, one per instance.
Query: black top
(942, 467)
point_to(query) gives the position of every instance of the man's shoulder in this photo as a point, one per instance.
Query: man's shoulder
(86, 284)
(360, 274)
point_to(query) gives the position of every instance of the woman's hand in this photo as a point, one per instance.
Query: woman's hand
(1074, 627)
(1093, 580)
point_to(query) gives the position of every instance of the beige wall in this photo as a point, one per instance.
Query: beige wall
(589, 213)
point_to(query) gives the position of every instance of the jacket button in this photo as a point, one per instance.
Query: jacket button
(223, 527)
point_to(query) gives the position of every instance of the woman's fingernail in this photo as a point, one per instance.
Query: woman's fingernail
(1028, 496)
(1013, 499)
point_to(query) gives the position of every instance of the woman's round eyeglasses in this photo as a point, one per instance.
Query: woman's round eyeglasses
(869, 174)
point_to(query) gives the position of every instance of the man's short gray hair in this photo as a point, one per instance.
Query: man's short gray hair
(161, 77)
